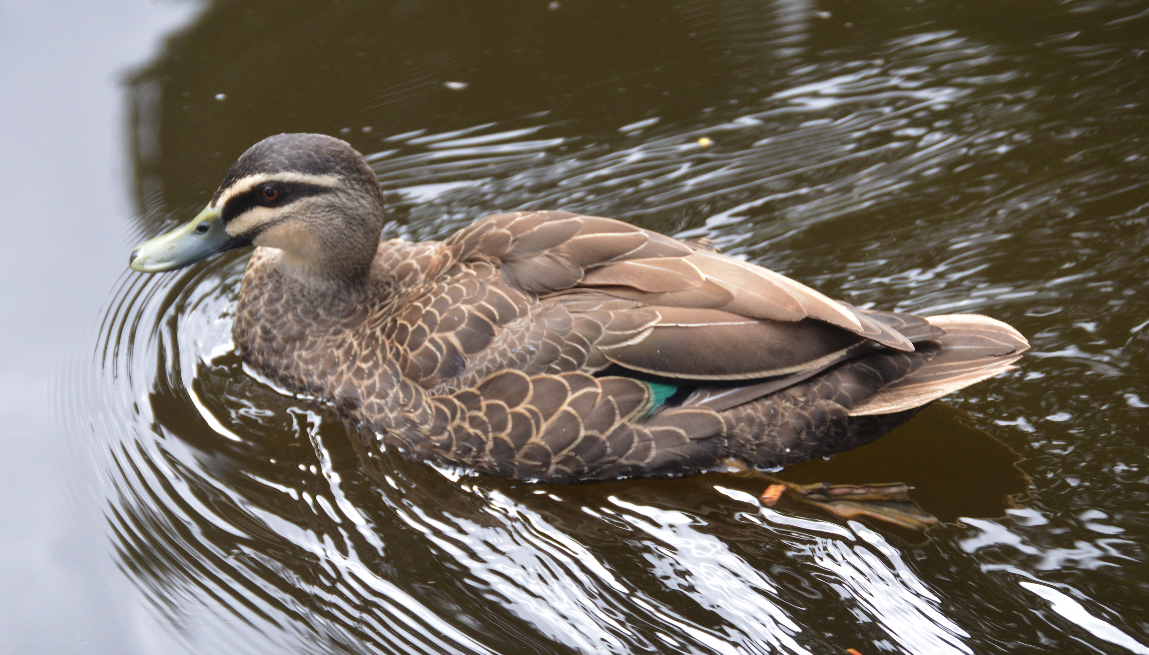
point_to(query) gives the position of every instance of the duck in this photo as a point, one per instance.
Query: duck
(549, 346)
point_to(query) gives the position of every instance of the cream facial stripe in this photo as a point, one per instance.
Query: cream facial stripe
(248, 183)
(249, 220)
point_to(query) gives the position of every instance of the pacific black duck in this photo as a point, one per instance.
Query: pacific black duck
(551, 346)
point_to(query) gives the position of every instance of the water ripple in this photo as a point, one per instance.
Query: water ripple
(934, 174)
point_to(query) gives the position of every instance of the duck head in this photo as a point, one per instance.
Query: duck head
(312, 197)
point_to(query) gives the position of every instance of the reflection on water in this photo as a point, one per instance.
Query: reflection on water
(258, 504)
(914, 158)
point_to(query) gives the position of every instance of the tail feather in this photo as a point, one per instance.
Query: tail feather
(973, 348)
(913, 327)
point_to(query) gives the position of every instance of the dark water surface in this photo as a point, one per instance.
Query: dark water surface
(933, 158)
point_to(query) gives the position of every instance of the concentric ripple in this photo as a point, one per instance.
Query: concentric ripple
(253, 521)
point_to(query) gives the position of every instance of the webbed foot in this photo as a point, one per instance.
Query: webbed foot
(882, 502)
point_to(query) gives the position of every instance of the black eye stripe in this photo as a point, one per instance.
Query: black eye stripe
(290, 192)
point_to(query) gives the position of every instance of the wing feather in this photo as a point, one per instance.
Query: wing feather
(646, 302)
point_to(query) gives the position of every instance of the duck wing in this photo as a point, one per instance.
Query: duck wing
(652, 304)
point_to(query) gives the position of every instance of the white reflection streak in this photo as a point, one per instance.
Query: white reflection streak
(1074, 612)
(403, 616)
(794, 19)
(533, 579)
(715, 577)
(402, 601)
(890, 593)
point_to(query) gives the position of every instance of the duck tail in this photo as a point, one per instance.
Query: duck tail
(973, 348)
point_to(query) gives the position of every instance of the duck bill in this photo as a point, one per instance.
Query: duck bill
(199, 239)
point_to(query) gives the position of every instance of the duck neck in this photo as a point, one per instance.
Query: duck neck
(328, 259)
(336, 275)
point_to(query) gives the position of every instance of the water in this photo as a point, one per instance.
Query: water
(969, 158)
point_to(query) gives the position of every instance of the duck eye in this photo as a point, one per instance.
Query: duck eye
(269, 193)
